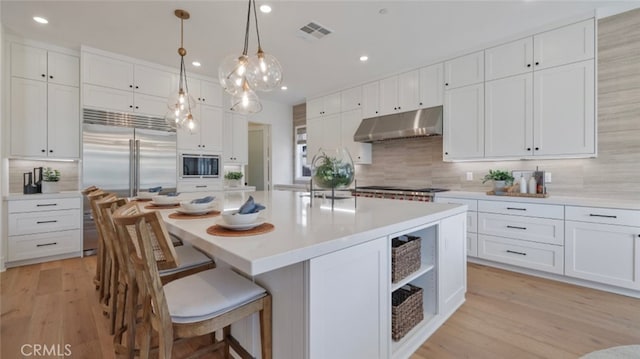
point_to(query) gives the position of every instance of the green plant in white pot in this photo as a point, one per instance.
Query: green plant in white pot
(50, 179)
(233, 178)
(500, 179)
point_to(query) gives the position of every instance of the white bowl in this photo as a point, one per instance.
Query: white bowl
(233, 217)
(162, 199)
(196, 206)
(146, 195)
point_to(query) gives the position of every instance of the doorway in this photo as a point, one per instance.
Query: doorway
(259, 167)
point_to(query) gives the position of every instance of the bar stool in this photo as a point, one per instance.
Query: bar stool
(192, 306)
(103, 265)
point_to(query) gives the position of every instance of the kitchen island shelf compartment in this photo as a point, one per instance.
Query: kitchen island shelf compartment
(406, 310)
(405, 256)
(424, 268)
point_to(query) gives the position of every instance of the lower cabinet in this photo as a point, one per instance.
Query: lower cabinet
(603, 253)
(539, 256)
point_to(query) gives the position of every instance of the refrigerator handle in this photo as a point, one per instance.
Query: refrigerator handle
(132, 192)
(137, 166)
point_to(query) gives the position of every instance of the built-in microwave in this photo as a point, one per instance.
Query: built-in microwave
(199, 165)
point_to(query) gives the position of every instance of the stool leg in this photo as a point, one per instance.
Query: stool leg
(265, 328)
(226, 333)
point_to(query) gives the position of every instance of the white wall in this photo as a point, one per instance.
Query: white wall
(279, 117)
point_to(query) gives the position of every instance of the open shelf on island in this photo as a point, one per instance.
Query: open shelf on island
(424, 268)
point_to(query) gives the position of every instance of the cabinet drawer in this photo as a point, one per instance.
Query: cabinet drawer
(542, 230)
(205, 186)
(543, 257)
(42, 222)
(472, 244)
(623, 217)
(37, 205)
(43, 244)
(522, 209)
(471, 203)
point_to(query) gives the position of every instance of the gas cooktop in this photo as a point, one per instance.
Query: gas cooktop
(400, 189)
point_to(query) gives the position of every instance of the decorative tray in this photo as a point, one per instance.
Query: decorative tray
(518, 194)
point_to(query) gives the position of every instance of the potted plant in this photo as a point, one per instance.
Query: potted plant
(233, 178)
(50, 178)
(500, 179)
(332, 169)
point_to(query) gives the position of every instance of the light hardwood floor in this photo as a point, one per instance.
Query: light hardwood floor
(506, 315)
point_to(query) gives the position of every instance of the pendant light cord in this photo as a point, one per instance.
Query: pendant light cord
(255, 16)
(246, 32)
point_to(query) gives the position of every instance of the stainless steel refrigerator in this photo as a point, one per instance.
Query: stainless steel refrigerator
(125, 160)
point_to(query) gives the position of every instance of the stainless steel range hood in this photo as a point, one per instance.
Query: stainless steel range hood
(420, 123)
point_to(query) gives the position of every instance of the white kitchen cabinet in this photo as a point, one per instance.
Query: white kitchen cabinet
(567, 44)
(371, 100)
(472, 221)
(564, 110)
(208, 133)
(464, 123)
(431, 86)
(205, 92)
(541, 230)
(323, 106)
(532, 255)
(107, 71)
(400, 93)
(45, 112)
(352, 285)
(154, 82)
(110, 99)
(236, 139)
(40, 64)
(513, 58)
(452, 264)
(508, 129)
(351, 99)
(464, 70)
(349, 122)
(40, 228)
(323, 132)
(389, 95)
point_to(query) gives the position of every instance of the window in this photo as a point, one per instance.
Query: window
(303, 171)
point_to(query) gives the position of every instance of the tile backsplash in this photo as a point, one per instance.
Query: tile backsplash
(69, 173)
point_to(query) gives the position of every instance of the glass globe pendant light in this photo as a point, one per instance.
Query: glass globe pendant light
(180, 104)
(245, 101)
(233, 70)
(265, 71)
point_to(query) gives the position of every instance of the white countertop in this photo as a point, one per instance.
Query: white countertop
(302, 232)
(239, 189)
(559, 200)
(20, 196)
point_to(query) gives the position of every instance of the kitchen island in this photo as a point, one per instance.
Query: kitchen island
(329, 271)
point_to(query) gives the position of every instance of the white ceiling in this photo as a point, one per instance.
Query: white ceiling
(409, 35)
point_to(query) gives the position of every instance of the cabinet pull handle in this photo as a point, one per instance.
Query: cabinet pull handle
(516, 227)
(43, 150)
(602, 215)
(202, 186)
(43, 75)
(130, 86)
(50, 76)
(47, 244)
(537, 148)
(537, 63)
(528, 148)
(517, 209)
(41, 222)
(528, 65)
(50, 151)
(514, 252)
(46, 205)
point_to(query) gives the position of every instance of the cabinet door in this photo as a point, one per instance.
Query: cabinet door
(432, 86)
(190, 139)
(107, 72)
(63, 69)
(240, 139)
(370, 100)
(63, 121)
(464, 123)
(28, 117)
(508, 129)
(28, 62)
(510, 59)
(564, 45)
(314, 107)
(210, 93)
(351, 99)
(150, 105)
(360, 152)
(603, 253)
(472, 244)
(564, 121)
(464, 70)
(409, 91)
(211, 128)
(331, 104)
(154, 82)
(109, 99)
(356, 325)
(452, 262)
(314, 137)
(388, 95)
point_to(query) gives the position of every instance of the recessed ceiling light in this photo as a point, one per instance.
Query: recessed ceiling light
(40, 20)
(283, 88)
(196, 64)
(383, 11)
(265, 9)
(364, 58)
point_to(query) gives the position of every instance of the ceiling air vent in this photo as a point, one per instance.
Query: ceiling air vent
(314, 30)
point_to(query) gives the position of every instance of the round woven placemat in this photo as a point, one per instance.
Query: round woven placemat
(178, 215)
(153, 206)
(216, 230)
(141, 200)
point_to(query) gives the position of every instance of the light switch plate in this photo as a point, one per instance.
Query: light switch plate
(547, 177)
(469, 176)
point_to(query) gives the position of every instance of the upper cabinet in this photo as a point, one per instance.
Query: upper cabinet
(44, 103)
(349, 122)
(351, 99)
(208, 134)
(464, 70)
(324, 106)
(564, 45)
(431, 86)
(371, 100)
(400, 93)
(513, 58)
(236, 138)
(205, 92)
(463, 123)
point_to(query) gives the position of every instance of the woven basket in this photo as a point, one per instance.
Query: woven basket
(405, 256)
(406, 310)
